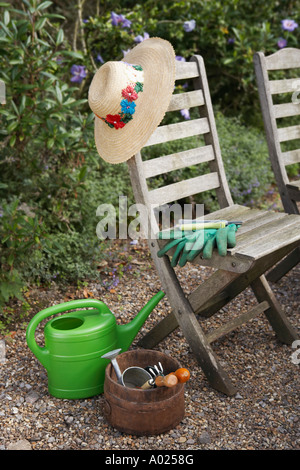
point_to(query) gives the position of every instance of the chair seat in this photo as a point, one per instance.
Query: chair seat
(261, 234)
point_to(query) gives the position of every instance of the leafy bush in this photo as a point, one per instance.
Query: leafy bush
(246, 160)
(226, 33)
(52, 177)
(20, 232)
(49, 164)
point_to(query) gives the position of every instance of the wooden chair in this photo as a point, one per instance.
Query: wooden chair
(278, 130)
(262, 240)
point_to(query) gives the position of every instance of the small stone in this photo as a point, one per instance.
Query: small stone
(69, 419)
(182, 439)
(32, 397)
(190, 441)
(205, 438)
(22, 444)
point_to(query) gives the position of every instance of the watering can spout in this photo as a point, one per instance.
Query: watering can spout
(127, 333)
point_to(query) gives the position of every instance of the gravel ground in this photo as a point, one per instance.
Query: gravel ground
(264, 414)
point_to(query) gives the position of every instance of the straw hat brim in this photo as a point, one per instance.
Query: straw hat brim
(157, 58)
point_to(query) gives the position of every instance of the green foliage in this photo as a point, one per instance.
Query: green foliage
(52, 179)
(227, 34)
(48, 162)
(20, 234)
(246, 160)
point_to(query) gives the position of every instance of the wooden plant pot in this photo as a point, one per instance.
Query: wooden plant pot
(143, 412)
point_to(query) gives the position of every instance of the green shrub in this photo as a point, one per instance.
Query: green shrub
(226, 33)
(246, 160)
(52, 179)
(20, 233)
(48, 161)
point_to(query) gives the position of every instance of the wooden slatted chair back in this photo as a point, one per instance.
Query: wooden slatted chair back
(201, 126)
(280, 105)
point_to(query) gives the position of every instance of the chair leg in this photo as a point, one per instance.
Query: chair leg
(274, 313)
(201, 348)
(216, 284)
(284, 266)
(219, 289)
(186, 319)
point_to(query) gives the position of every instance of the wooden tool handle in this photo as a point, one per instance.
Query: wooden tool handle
(182, 374)
(166, 381)
(147, 385)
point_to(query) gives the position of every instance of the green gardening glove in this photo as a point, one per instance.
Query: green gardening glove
(188, 244)
(191, 244)
(223, 239)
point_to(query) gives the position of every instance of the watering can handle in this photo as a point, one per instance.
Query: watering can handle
(42, 353)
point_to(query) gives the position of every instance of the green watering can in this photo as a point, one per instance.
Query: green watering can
(75, 342)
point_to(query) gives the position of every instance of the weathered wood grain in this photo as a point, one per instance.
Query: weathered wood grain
(191, 99)
(174, 192)
(287, 58)
(175, 161)
(179, 130)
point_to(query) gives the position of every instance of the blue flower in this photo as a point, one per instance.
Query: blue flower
(140, 38)
(126, 23)
(78, 72)
(99, 58)
(127, 107)
(117, 20)
(180, 58)
(188, 26)
(289, 25)
(185, 113)
(281, 43)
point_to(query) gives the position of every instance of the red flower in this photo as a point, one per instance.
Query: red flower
(115, 120)
(129, 93)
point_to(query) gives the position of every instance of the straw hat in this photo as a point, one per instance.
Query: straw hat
(130, 97)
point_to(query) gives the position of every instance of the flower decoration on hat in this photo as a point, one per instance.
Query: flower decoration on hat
(129, 95)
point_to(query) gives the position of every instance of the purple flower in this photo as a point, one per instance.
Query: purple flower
(281, 43)
(117, 20)
(231, 41)
(141, 38)
(188, 26)
(126, 23)
(78, 72)
(99, 58)
(180, 58)
(185, 113)
(289, 25)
